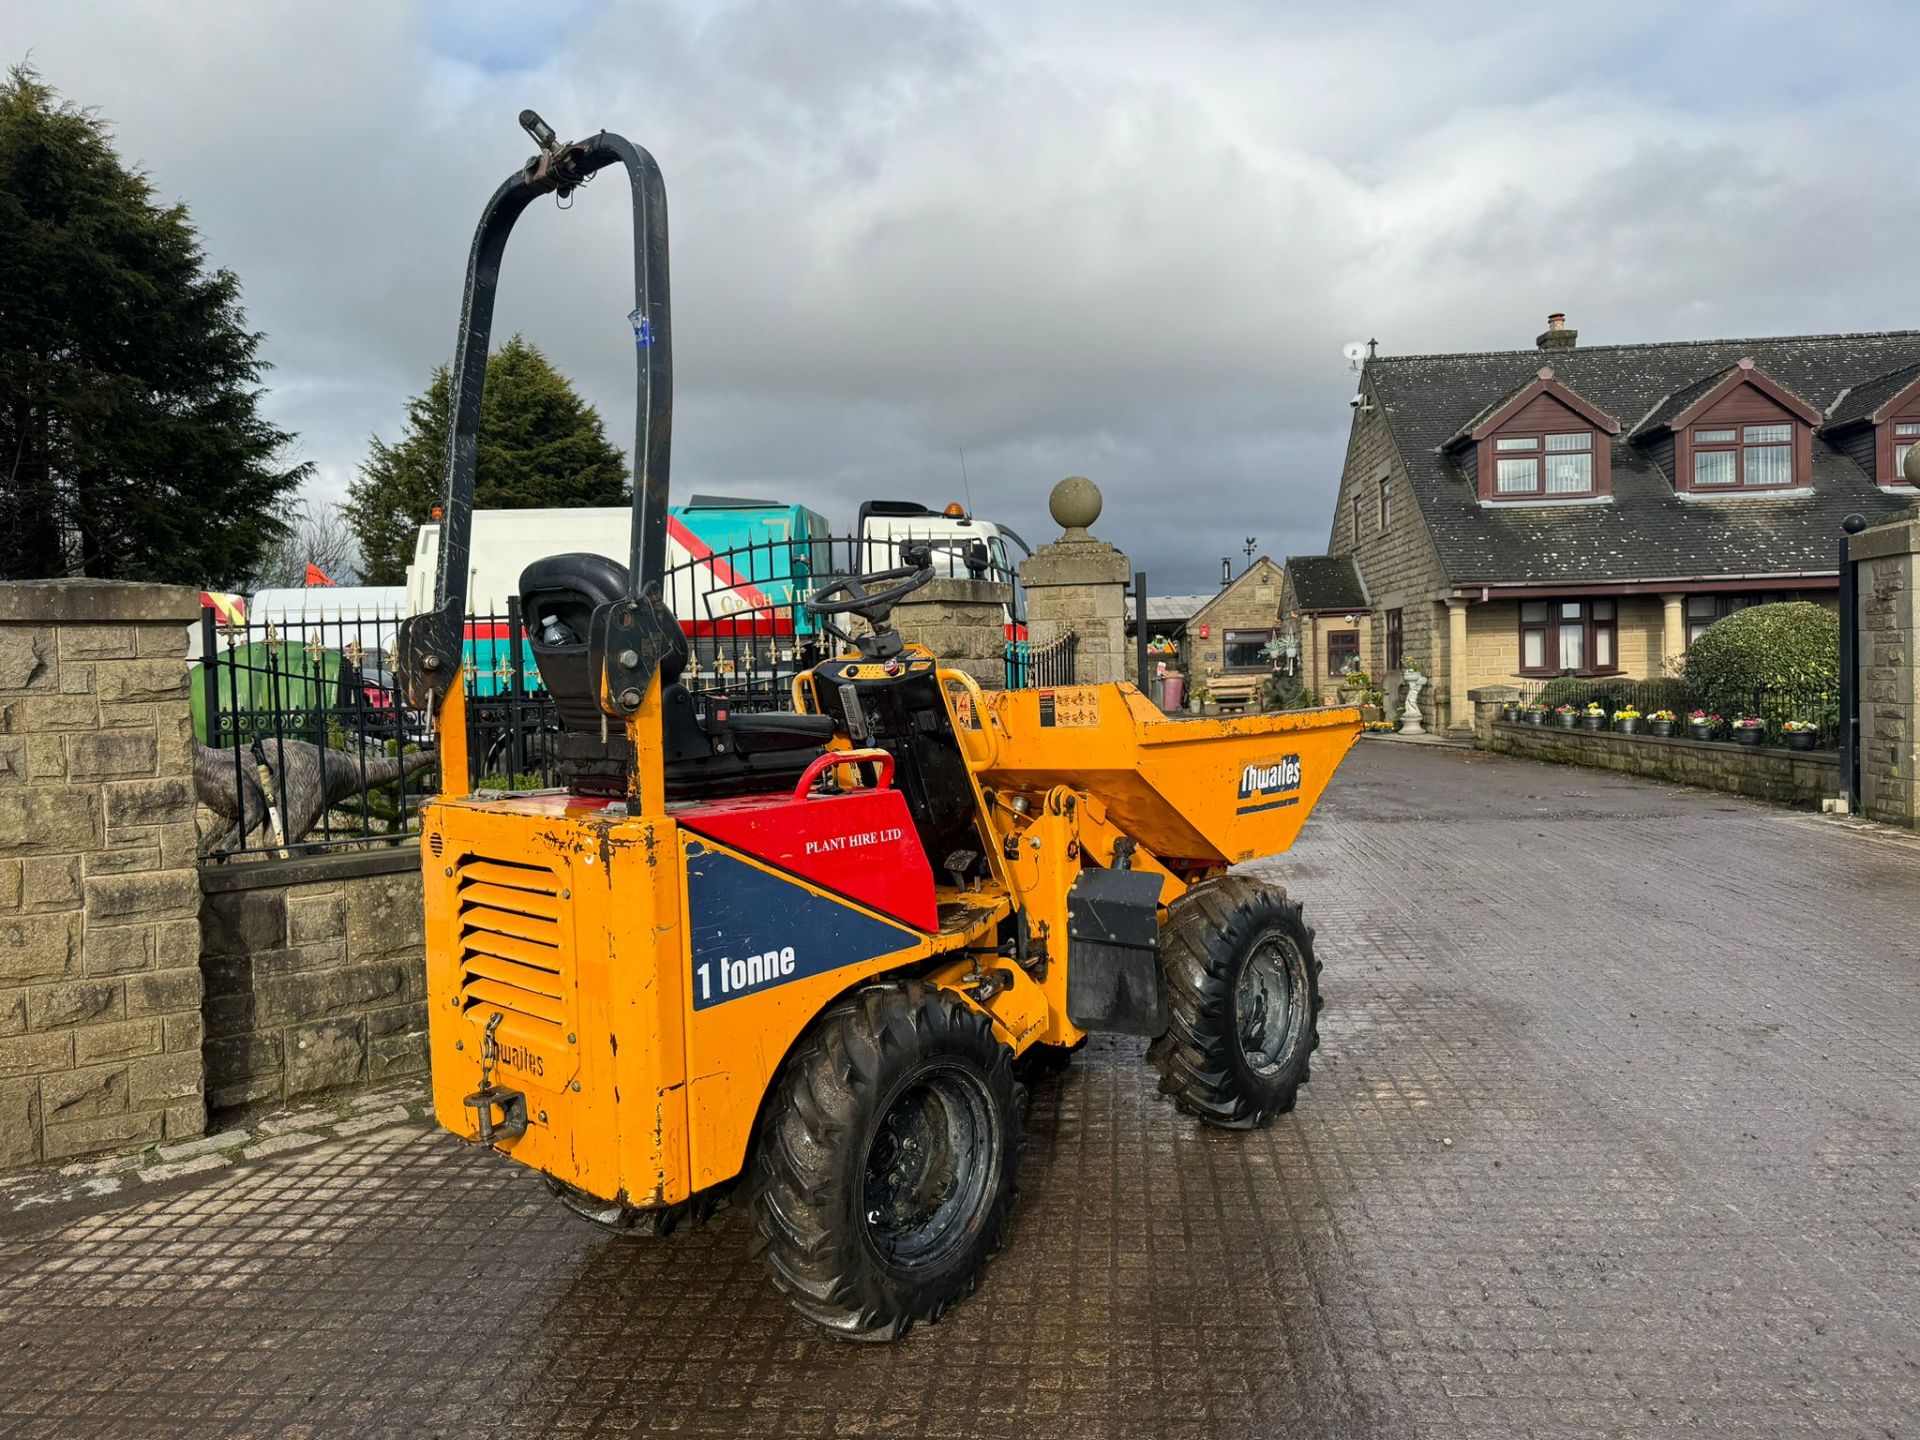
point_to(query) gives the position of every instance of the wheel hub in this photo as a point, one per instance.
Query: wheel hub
(927, 1168)
(1268, 1005)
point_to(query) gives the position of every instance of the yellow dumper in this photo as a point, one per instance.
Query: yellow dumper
(798, 955)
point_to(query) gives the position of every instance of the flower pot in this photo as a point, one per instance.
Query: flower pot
(1802, 739)
(1509, 713)
(1627, 727)
(1566, 721)
(1536, 717)
(1593, 722)
(1701, 731)
(1748, 734)
(1662, 728)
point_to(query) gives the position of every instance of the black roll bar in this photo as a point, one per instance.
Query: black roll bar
(430, 645)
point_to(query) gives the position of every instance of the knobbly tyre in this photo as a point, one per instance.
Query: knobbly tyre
(797, 955)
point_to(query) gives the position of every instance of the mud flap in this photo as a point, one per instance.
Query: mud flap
(1113, 953)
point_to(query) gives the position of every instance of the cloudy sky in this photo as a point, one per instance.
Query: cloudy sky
(1114, 238)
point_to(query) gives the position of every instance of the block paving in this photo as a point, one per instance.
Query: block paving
(1613, 1133)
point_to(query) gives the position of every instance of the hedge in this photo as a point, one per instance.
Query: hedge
(1780, 661)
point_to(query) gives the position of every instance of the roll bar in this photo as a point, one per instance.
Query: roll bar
(430, 646)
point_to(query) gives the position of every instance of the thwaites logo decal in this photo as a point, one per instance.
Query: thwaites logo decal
(752, 929)
(1270, 785)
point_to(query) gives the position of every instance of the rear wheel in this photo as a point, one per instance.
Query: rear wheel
(1243, 992)
(884, 1169)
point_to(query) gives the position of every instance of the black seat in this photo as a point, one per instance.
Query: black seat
(710, 750)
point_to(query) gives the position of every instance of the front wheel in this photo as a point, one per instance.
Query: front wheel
(1243, 991)
(884, 1169)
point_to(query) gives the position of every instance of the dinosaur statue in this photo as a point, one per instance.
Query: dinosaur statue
(307, 780)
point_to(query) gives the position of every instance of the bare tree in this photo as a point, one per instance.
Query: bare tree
(317, 534)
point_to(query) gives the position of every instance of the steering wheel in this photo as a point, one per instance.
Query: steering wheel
(852, 595)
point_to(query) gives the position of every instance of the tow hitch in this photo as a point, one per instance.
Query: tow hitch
(512, 1104)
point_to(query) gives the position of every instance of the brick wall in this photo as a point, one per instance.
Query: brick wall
(100, 1026)
(315, 975)
(1888, 576)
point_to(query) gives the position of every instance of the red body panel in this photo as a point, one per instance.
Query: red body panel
(861, 845)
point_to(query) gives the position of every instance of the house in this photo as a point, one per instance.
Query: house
(1227, 636)
(1513, 515)
(1325, 605)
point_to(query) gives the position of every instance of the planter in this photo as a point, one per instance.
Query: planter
(1566, 721)
(1593, 722)
(1510, 713)
(1536, 717)
(1748, 734)
(1802, 739)
(1700, 732)
(1662, 728)
(1627, 727)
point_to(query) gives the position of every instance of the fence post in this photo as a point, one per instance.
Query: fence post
(516, 659)
(1140, 630)
(209, 678)
(1849, 667)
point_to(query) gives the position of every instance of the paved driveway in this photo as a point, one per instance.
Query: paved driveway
(1615, 1132)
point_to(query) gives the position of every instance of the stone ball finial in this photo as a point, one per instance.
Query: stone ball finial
(1075, 504)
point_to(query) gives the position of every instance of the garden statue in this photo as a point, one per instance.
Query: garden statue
(1410, 712)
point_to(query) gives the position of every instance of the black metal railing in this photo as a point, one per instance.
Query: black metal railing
(1030, 667)
(306, 741)
(1576, 696)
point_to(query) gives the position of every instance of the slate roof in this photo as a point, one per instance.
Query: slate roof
(1647, 532)
(1326, 582)
(1863, 399)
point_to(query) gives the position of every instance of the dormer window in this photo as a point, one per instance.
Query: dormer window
(1543, 442)
(1877, 422)
(1731, 432)
(1906, 434)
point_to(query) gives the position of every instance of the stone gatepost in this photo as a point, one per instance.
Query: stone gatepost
(1078, 585)
(100, 1024)
(964, 623)
(1888, 573)
(1487, 702)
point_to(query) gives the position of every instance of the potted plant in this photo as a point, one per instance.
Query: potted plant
(1566, 716)
(1802, 734)
(1660, 722)
(1510, 711)
(1702, 724)
(1593, 717)
(1535, 712)
(1749, 729)
(1626, 720)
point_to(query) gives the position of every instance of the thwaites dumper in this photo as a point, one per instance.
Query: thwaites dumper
(800, 955)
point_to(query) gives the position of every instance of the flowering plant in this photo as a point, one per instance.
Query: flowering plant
(1663, 715)
(1627, 714)
(1382, 726)
(1564, 710)
(1534, 707)
(1800, 727)
(1702, 717)
(1748, 722)
(1593, 708)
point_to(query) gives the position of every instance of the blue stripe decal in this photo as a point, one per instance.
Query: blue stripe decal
(752, 930)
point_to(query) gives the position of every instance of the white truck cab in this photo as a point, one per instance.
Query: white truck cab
(964, 546)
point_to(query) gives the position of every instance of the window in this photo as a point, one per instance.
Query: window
(1396, 657)
(1244, 649)
(1561, 635)
(1565, 461)
(1343, 651)
(1386, 503)
(1905, 434)
(1755, 457)
(1704, 610)
(1356, 518)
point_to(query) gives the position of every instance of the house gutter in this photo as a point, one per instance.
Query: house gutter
(1485, 591)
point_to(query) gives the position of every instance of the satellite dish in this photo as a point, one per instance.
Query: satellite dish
(1354, 351)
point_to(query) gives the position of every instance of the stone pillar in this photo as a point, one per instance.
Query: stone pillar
(1673, 630)
(964, 623)
(1079, 584)
(1889, 616)
(1487, 701)
(1460, 716)
(100, 1024)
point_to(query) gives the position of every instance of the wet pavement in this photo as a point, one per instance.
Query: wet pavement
(1615, 1131)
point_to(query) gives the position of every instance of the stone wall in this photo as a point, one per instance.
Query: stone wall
(1888, 574)
(964, 623)
(100, 1025)
(1251, 602)
(315, 975)
(1764, 772)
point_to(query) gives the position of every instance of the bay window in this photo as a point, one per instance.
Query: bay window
(1561, 635)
